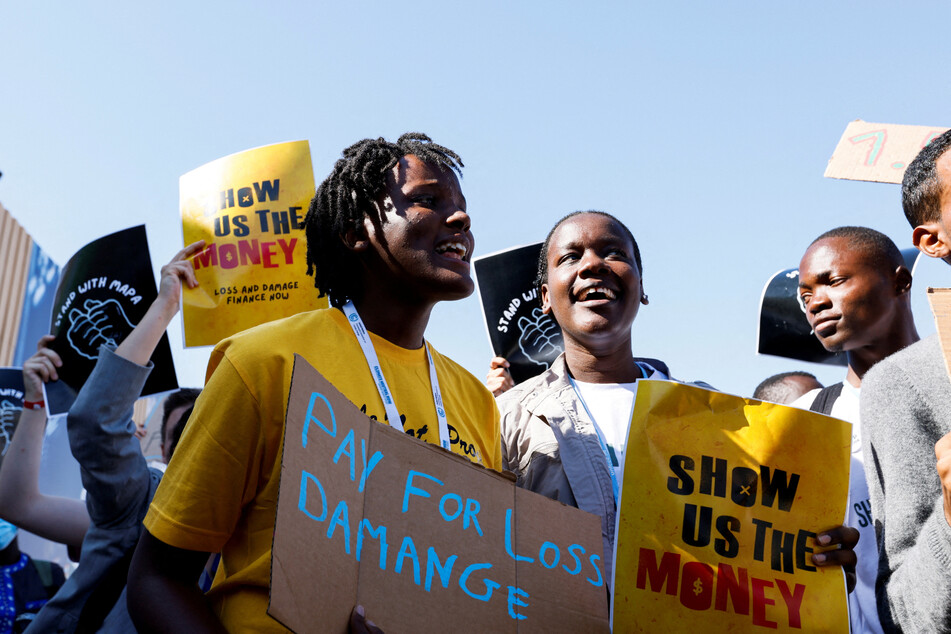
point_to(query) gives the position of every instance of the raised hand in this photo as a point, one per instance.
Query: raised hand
(499, 379)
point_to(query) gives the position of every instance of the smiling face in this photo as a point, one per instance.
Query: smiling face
(423, 247)
(594, 287)
(851, 302)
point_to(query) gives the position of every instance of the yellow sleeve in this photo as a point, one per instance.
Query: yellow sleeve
(213, 472)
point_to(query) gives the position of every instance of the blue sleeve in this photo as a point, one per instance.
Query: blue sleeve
(102, 439)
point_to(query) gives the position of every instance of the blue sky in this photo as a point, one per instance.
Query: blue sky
(706, 127)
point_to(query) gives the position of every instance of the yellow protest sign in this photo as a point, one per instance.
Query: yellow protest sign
(721, 500)
(248, 208)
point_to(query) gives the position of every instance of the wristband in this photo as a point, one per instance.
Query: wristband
(34, 405)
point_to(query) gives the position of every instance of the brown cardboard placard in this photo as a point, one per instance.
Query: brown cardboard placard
(940, 300)
(878, 152)
(422, 538)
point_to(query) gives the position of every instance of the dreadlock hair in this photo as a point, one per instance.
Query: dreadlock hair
(920, 187)
(542, 275)
(874, 245)
(352, 192)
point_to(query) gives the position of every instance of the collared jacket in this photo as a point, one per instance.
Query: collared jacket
(552, 446)
(119, 486)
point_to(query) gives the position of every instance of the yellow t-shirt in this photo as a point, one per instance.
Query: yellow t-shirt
(220, 490)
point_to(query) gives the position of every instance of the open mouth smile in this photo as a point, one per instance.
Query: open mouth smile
(593, 293)
(453, 249)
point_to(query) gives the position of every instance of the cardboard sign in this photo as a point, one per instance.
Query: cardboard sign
(248, 208)
(878, 152)
(518, 330)
(104, 291)
(940, 300)
(11, 403)
(720, 503)
(425, 540)
(783, 330)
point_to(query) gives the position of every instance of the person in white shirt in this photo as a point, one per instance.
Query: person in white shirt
(856, 292)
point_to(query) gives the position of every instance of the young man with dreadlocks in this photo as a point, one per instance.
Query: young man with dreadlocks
(387, 238)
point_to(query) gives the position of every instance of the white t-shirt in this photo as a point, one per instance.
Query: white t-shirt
(610, 406)
(863, 611)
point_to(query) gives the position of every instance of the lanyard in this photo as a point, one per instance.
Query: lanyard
(392, 414)
(601, 441)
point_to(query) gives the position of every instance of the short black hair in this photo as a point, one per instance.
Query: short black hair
(775, 389)
(542, 275)
(875, 245)
(351, 193)
(920, 187)
(177, 432)
(184, 396)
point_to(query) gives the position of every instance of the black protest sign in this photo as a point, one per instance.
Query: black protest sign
(104, 291)
(783, 328)
(518, 330)
(11, 403)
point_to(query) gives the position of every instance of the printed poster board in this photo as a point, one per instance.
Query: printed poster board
(104, 291)
(11, 403)
(518, 330)
(425, 540)
(783, 330)
(248, 208)
(720, 502)
(878, 152)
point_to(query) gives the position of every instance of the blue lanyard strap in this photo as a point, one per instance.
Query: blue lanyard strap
(386, 395)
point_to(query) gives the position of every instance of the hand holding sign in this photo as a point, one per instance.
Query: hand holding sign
(499, 379)
(360, 624)
(841, 542)
(538, 338)
(98, 323)
(40, 369)
(177, 272)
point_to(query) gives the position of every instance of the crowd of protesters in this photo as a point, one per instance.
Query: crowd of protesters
(389, 237)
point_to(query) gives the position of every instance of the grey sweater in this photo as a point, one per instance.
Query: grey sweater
(905, 410)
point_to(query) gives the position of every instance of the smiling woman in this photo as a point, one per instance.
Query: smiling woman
(564, 431)
(589, 278)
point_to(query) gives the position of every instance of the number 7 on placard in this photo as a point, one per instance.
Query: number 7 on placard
(877, 137)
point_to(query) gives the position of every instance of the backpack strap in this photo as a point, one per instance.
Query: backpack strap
(825, 399)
